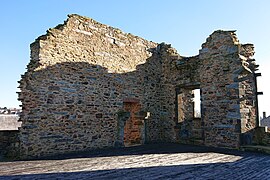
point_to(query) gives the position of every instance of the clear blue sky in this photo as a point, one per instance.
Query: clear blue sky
(184, 24)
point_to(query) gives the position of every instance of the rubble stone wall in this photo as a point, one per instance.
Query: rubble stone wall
(261, 136)
(9, 143)
(77, 78)
(228, 107)
(248, 88)
(266, 139)
(180, 75)
(224, 72)
(82, 73)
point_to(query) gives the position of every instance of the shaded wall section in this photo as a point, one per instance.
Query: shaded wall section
(9, 144)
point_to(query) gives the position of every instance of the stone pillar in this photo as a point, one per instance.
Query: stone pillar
(219, 73)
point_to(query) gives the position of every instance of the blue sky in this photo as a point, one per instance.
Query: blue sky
(184, 24)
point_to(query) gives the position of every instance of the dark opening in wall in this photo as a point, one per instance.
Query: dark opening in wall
(188, 112)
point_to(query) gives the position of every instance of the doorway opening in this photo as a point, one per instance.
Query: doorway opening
(134, 126)
(188, 114)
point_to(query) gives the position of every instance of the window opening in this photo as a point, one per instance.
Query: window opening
(197, 103)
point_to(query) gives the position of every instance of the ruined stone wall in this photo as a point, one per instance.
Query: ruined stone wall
(220, 92)
(86, 82)
(180, 76)
(226, 97)
(224, 72)
(247, 88)
(77, 78)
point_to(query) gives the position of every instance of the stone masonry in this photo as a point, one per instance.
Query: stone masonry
(90, 86)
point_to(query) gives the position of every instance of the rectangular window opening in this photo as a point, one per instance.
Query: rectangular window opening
(197, 103)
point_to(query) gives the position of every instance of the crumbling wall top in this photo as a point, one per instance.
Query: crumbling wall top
(80, 37)
(220, 43)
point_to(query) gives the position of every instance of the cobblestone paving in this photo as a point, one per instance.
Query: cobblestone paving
(159, 161)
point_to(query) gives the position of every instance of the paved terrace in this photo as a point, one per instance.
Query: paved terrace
(158, 161)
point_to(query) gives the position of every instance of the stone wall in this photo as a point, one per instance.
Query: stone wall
(224, 71)
(227, 90)
(9, 144)
(266, 139)
(180, 75)
(78, 76)
(91, 86)
(261, 136)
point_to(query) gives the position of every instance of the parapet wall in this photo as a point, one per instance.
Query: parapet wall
(261, 136)
(9, 143)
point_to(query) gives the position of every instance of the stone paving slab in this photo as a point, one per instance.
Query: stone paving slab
(158, 161)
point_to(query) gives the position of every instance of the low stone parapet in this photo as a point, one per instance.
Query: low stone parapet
(262, 136)
(9, 143)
